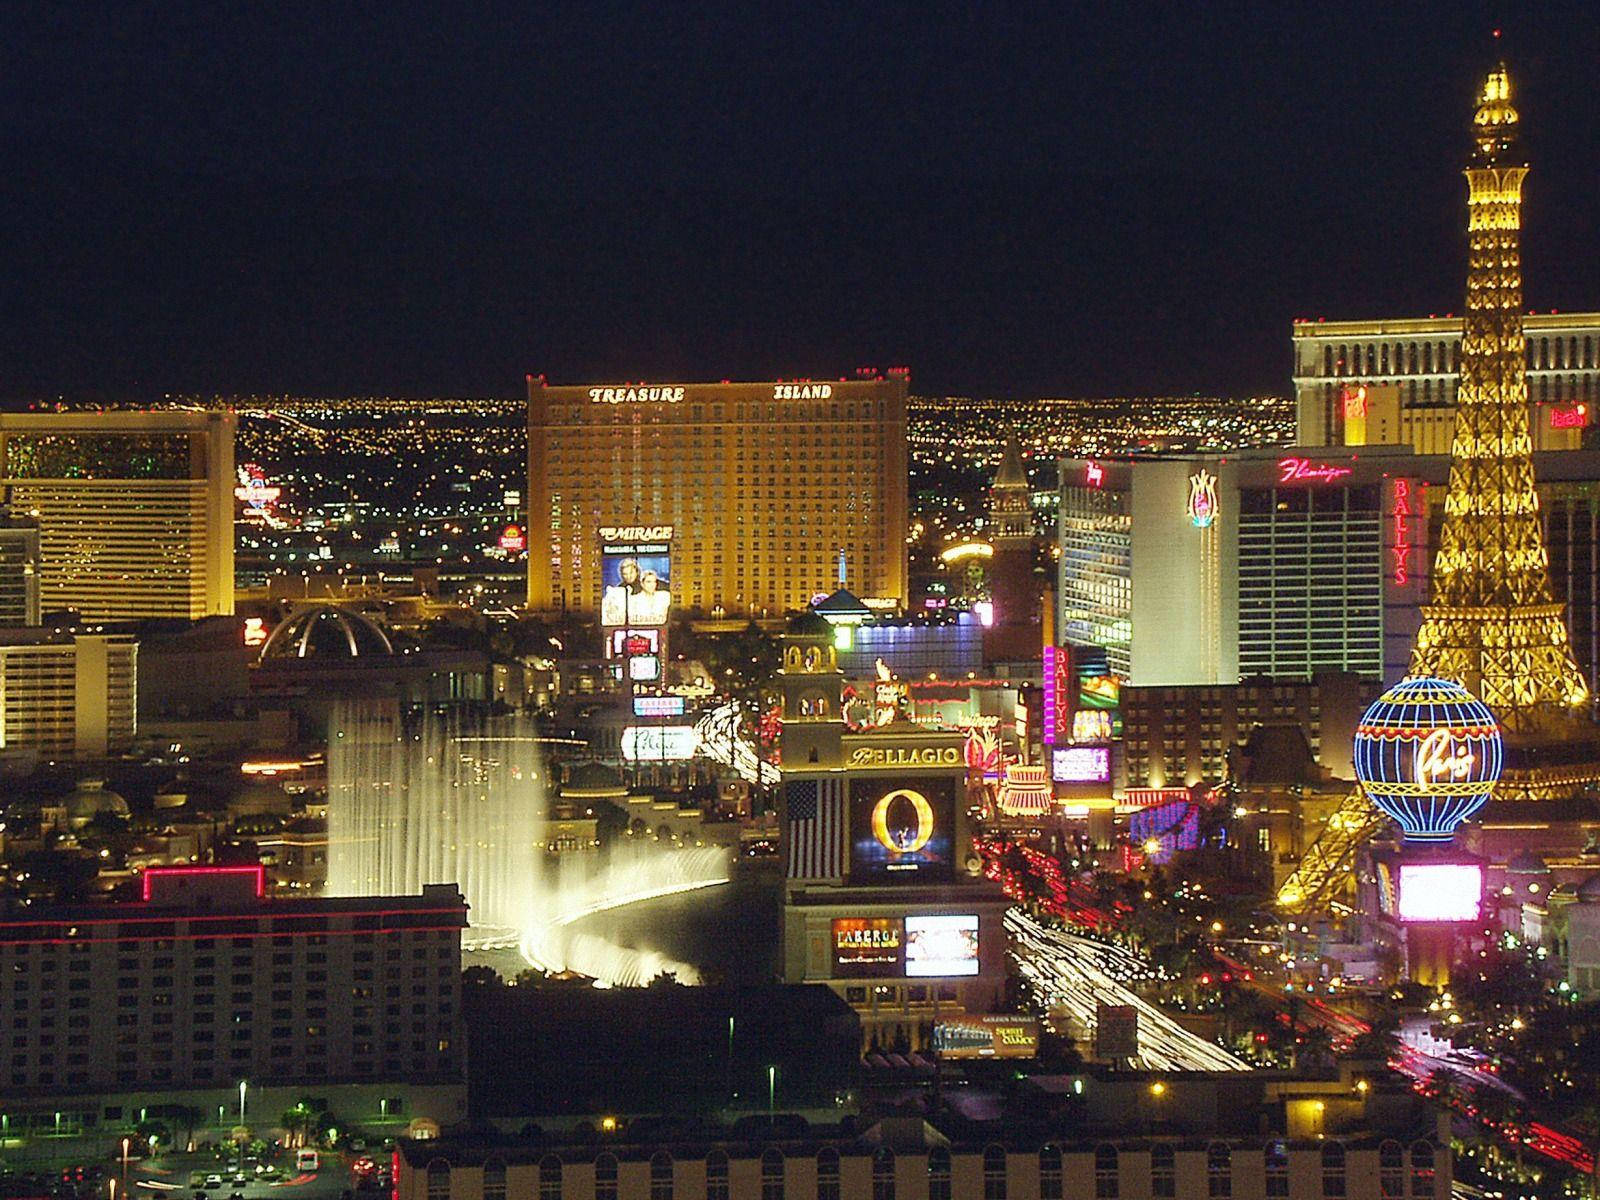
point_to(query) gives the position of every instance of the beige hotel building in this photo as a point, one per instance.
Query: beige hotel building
(762, 484)
(134, 510)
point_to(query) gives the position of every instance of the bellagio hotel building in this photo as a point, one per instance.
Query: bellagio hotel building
(758, 487)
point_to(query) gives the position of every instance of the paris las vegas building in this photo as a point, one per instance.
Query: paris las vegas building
(750, 494)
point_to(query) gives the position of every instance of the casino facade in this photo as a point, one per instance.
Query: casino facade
(754, 490)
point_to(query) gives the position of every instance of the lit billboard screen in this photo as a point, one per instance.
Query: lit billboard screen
(901, 829)
(987, 1037)
(622, 643)
(1440, 891)
(1080, 764)
(658, 706)
(659, 743)
(635, 583)
(942, 945)
(867, 946)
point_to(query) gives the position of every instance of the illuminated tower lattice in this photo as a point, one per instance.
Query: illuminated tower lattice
(1491, 623)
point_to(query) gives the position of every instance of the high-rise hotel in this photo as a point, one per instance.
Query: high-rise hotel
(751, 492)
(134, 510)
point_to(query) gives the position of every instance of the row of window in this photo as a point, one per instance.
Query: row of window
(1401, 1175)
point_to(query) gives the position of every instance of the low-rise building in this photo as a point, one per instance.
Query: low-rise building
(212, 993)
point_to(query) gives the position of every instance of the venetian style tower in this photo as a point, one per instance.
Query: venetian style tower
(1491, 622)
(1013, 588)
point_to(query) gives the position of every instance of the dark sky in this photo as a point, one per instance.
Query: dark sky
(1053, 199)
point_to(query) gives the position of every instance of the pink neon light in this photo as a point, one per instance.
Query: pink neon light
(1569, 418)
(1050, 698)
(1094, 474)
(1303, 470)
(1440, 891)
(1402, 530)
(260, 872)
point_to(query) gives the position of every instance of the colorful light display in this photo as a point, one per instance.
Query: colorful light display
(1202, 505)
(1428, 753)
(1440, 891)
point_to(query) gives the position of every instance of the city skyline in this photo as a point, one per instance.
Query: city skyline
(1022, 207)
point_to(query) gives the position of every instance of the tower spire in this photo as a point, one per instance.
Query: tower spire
(1491, 622)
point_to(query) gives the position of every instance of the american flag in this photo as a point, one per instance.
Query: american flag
(816, 827)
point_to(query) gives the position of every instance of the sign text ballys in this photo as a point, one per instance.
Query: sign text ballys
(905, 756)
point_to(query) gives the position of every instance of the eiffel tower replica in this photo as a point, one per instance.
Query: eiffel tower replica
(1491, 622)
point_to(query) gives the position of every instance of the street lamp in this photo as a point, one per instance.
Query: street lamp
(243, 1084)
(125, 1143)
(772, 1092)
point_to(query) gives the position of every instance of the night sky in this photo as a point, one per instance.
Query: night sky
(1103, 199)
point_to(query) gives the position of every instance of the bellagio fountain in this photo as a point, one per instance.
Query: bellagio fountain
(449, 798)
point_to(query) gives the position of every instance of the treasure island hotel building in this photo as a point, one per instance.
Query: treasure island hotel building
(759, 488)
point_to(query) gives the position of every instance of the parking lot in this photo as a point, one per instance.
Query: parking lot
(188, 1177)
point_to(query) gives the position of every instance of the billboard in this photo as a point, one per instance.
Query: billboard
(987, 1037)
(1440, 891)
(901, 828)
(940, 945)
(870, 946)
(659, 743)
(1116, 1032)
(635, 583)
(1080, 764)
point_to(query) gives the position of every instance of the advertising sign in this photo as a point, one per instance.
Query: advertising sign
(1080, 764)
(623, 642)
(635, 583)
(1116, 1032)
(1440, 891)
(659, 743)
(941, 945)
(1004, 1036)
(513, 540)
(658, 706)
(901, 829)
(871, 946)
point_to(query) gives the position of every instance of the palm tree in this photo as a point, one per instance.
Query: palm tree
(298, 1124)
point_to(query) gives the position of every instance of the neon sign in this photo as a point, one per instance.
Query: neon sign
(1202, 505)
(1094, 475)
(1440, 759)
(635, 395)
(1303, 470)
(1569, 418)
(1400, 527)
(1050, 697)
(802, 391)
(513, 540)
(1355, 403)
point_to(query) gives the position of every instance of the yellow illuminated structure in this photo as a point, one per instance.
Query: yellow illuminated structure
(1491, 622)
(758, 489)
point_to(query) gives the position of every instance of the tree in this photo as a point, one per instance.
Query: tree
(298, 1123)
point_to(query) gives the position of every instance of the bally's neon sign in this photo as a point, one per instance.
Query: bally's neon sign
(1400, 526)
(1303, 470)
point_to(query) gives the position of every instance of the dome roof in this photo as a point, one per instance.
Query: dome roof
(90, 798)
(593, 779)
(1527, 863)
(327, 632)
(1589, 890)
